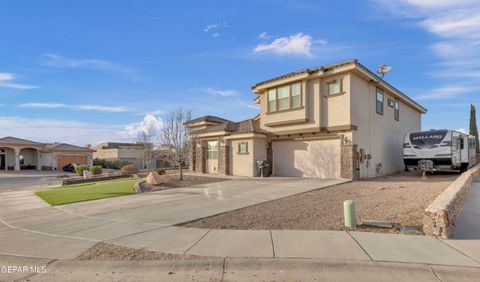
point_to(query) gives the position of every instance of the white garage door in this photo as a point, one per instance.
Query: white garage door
(318, 158)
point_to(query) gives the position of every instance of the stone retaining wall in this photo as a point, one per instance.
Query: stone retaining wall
(439, 218)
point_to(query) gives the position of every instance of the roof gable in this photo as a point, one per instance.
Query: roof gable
(18, 141)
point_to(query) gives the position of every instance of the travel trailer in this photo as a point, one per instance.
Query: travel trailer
(446, 149)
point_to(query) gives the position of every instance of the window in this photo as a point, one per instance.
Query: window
(334, 87)
(379, 102)
(397, 110)
(272, 100)
(296, 95)
(462, 144)
(243, 148)
(285, 97)
(21, 160)
(212, 150)
(390, 103)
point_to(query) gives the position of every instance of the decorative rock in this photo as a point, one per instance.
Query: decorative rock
(154, 178)
(87, 174)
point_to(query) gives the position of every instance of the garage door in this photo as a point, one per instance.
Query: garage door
(317, 158)
(64, 160)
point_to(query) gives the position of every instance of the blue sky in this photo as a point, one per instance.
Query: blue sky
(88, 71)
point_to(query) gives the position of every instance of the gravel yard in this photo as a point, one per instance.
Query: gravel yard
(399, 198)
(110, 252)
(188, 181)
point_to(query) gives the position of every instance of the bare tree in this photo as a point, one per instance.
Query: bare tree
(149, 154)
(175, 134)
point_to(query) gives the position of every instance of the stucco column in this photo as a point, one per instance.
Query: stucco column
(349, 162)
(223, 161)
(39, 167)
(200, 158)
(192, 156)
(17, 159)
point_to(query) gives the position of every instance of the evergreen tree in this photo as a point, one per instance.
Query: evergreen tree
(473, 125)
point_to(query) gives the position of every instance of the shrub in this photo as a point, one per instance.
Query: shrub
(80, 168)
(160, 171)
(96, 170)
(118, 164)
(128, 169)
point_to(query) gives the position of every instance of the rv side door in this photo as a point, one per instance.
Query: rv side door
(456, 151)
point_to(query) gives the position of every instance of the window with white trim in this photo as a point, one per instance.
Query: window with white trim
(212, 150)
(285, 97)
(243, 148)
(334, 87)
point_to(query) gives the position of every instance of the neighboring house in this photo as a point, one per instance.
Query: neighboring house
(131, 152)
(18, 154)
(340, 120)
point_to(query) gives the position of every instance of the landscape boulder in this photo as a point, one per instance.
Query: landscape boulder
(154, 178)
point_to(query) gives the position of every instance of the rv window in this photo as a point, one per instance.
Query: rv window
(462, 145)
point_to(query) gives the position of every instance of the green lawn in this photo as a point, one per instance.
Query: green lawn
(87, 191)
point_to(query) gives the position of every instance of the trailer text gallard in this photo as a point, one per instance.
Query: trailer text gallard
(446, 149)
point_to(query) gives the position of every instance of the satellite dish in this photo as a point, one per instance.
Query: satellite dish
(383, 69)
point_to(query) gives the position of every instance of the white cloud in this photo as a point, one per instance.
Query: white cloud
(456, 23)
(209, 27)
(57, 61)
(6, 81)
(100, 108)
(150, 124)
(215, 28)
(264, 36)
(298, 44)
(446, 92)
(462, 130)
(42, 105)
(74, 132)
(4, 76)
(221, 92)
(250, 105)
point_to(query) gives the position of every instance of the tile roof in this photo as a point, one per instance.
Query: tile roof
(308, 70)
(19, 141)
(65, 147)
(233, 128)
(209, 118)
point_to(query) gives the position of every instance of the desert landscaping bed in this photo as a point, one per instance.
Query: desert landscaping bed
(401, 199)
(171, 181)
(110, 252)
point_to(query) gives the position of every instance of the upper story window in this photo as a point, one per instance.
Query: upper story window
(243, 148)
(285, 97)
(212, 150)
(396, 108)
(379, 104)
(334, 87)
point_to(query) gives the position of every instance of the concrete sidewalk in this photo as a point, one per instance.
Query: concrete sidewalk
(467, 225)
(232, 270)
(32, 228)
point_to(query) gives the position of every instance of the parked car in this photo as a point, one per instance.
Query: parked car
(69, 168)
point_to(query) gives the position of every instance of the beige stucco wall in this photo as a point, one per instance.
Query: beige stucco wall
(9, 157)
(29, 156)
(379, 135)
(318, 109)
(245, 164)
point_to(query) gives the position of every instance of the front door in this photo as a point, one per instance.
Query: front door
(2, 162)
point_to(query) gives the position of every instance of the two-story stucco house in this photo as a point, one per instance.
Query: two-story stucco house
(339, 120)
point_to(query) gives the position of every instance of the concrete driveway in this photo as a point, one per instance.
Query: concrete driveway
(18, 182)
(176, 206)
